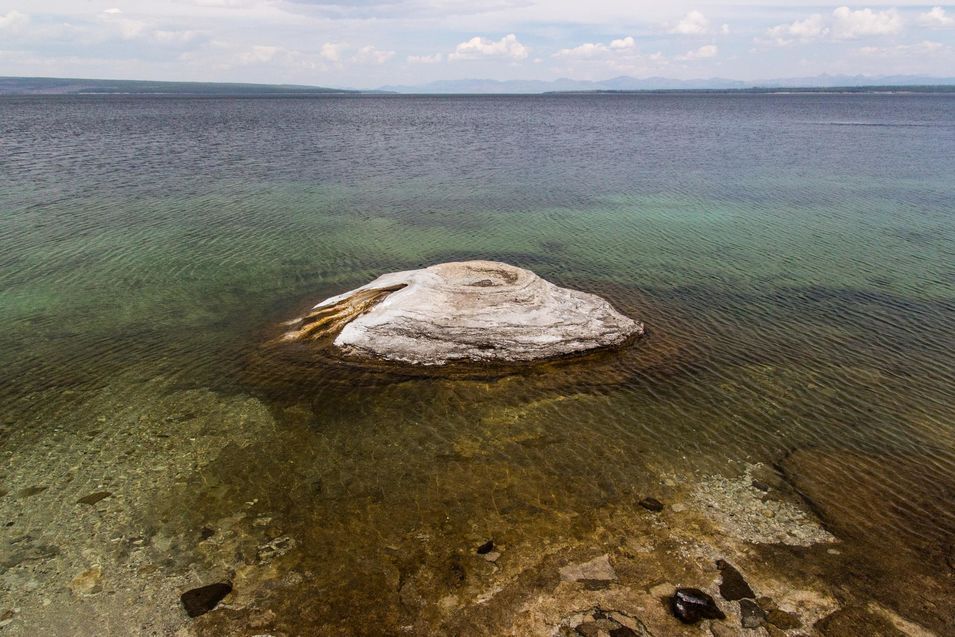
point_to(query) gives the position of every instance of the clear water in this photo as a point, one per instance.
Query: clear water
(793, 257)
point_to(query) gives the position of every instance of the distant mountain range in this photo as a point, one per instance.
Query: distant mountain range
(72, 86)
(625, 83)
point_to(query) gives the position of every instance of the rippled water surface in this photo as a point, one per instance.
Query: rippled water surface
(792, 256)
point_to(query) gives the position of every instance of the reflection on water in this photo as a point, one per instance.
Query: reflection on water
(791, 407)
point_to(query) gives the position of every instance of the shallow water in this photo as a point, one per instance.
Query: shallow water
(792, 256)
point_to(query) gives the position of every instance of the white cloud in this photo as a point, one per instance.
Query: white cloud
(13, 21)
(332, 52)
(477, 47)
(178, 39)
(259, 54)
(623, 44)
(278, 57)
(372, 55)
(598, 60)
(437, 58)
(693, 23)
(811, 28)
(706, 51)
(936, 18)
(586, 50)
(849, 24)
(127, 29)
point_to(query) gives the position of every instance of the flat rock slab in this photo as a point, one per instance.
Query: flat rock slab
(733, 586)
(478, 311)
(597, 569)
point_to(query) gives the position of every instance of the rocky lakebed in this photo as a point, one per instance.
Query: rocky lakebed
(356, 511)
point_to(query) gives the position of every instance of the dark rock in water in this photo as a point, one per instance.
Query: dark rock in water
(486, 548)
(205, 532)
(782, 619)
(651, 504)
(93, 498)
(733, 587)
(759, 484)
(690, 605)
(200, 601)
(751, 615)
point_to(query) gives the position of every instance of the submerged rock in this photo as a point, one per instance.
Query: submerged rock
(478, 311)
(782, 619)
(93, 498)
(31, 491)
(486, 548)
(746, 514)
(751, 615)
(598, 569)
(199, 601)
(733, 587)
(598, 622)
(690, 605)
(651, 504)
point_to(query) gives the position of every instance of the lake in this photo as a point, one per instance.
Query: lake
(792, 407)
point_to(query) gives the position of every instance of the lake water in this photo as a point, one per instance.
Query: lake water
(793, 257)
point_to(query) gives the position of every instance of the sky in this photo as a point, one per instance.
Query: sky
(370, 43)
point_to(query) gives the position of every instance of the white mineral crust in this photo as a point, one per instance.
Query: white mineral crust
(470, 311)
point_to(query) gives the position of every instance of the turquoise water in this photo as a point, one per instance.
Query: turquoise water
(792, 256)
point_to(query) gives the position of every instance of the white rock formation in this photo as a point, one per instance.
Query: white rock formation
(465, 311)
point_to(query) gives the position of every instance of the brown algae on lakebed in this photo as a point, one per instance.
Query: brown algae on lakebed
(289, 506)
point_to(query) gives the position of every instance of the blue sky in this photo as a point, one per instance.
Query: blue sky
(368, 43)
